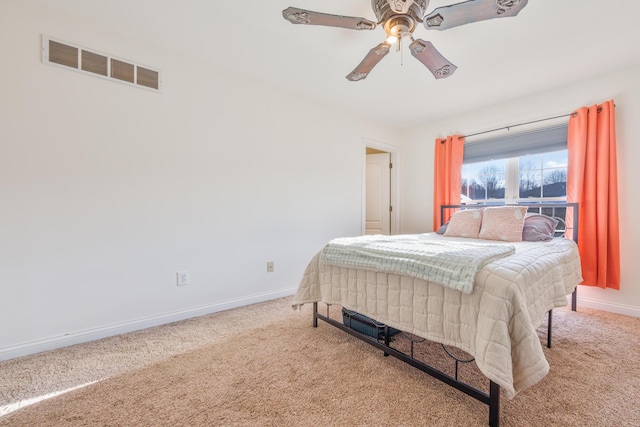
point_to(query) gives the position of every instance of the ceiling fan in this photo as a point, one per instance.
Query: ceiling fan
(399, 19)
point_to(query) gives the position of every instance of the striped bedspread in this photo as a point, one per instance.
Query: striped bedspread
(452, 264)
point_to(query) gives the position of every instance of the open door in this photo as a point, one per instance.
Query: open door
(378, 194)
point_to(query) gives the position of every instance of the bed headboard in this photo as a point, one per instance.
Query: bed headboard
(558, 211)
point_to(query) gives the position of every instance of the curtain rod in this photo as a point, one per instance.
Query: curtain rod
(517, 124)
(525, 123)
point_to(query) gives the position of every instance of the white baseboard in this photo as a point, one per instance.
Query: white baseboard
(87, 335)
(607, 306)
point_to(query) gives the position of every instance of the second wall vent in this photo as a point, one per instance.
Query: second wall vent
(68, 55)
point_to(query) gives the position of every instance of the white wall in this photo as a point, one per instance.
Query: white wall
(108, 190)
(621, 86)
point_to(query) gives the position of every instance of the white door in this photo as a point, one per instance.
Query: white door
(378, 194)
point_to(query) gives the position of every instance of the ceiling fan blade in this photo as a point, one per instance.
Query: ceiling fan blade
(374, 56)
(400, 6)
(466, 12)
(426, 53)
(301, 16)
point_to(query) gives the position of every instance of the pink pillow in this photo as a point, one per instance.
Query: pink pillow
(503, 223)
(465, 224)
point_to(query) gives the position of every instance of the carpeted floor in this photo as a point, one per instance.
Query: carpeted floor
(264, 365)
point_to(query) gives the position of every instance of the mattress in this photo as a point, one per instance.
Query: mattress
(496, 323)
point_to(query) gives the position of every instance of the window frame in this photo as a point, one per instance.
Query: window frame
(511, 185)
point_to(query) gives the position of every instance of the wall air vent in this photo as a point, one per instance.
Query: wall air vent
(73, 57)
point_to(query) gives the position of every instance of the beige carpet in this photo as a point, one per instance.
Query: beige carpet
(264, 365)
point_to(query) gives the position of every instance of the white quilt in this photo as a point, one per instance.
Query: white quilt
(496, 323)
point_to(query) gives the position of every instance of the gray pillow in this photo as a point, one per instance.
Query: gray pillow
(442, 228)
(538, 227)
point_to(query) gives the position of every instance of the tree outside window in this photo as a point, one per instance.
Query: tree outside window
(543, 176)
(538, 178)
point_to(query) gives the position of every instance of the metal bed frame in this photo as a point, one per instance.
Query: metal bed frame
(492, 398)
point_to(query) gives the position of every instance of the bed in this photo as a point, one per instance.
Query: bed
(495, 320)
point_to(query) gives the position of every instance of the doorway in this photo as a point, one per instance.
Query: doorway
(379, 195)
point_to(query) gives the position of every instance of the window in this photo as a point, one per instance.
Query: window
(520, 168)
(534, 178)
(543, 176)
(484, 181)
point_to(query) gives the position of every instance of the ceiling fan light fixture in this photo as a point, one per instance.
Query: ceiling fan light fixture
(399, 25)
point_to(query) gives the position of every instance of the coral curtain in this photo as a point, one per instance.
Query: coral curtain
(592, 181)
(447, 175)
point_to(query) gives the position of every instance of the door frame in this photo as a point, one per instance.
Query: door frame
(395, 196)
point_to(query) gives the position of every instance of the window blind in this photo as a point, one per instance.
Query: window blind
(515, 145)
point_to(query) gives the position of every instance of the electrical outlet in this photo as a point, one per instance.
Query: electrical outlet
(183, 277)
(270, 267)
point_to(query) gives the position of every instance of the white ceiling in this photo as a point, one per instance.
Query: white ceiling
(549, 44)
